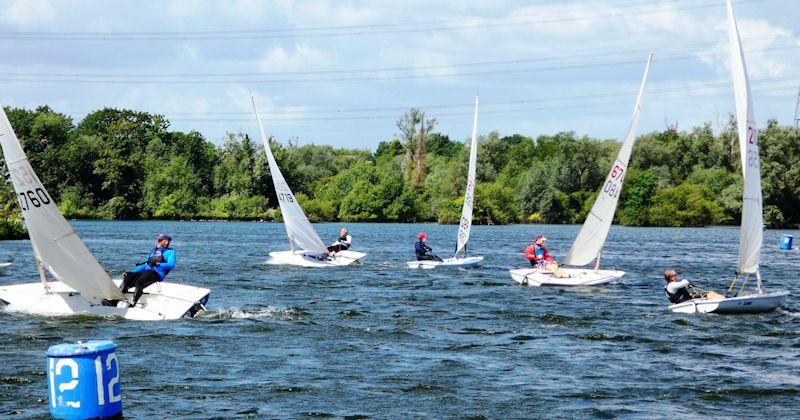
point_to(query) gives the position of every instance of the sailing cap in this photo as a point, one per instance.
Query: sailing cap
(422, 235)
(163, 237)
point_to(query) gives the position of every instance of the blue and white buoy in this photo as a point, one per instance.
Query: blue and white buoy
(786, 242)
(84, 381)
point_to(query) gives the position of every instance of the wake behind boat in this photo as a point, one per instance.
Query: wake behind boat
(465, 224)
(588, 246)
(751, 235)
(81, 283)
(307, 247)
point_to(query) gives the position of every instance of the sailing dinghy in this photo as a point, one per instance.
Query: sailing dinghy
(751, 235)
(307, 247)
(80, 282)
(588, 246)
(465, 225)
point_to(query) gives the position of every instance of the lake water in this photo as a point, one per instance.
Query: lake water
(381, 340)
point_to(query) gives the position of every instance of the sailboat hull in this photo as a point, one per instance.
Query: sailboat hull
(749, 304)
(303, 259)
(448, 262)
(161, 301)
(570, 277)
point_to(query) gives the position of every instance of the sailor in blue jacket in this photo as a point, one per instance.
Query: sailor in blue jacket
(158, 264)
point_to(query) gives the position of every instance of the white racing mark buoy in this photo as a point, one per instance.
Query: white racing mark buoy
(83, 380)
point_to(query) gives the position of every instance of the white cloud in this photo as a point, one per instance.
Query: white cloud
(29, 13)
(304, 57)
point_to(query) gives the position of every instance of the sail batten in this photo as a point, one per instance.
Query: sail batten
(299, 230)
(465, 224)
(60, 250)
(592, 236)
(751, 235)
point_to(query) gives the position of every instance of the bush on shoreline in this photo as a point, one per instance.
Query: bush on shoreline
(123, 164)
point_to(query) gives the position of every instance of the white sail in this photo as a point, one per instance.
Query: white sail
(465, 225)
(59, 248)
(302, 235)
(592, 237)
(752, 219)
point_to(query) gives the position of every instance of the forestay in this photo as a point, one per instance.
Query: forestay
(751, 235)
(302, 235)
(592, 237)
(465, 225)
(59, 248)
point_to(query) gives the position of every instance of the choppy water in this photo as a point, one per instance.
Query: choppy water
(384, 341)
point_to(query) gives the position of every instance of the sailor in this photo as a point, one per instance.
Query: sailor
(538, 255)
(342, 243)
(681, 291)
(158, 264)
(423, 251)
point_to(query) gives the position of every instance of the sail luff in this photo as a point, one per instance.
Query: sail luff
(592, 236)
(55, 243)
(751, 234)
(465, 224)
(298, 228)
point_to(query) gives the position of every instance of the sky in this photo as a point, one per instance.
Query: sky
(341, 72)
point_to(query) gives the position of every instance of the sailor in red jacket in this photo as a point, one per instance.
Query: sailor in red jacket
(537, 254)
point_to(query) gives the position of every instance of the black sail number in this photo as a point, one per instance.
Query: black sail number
(33, 198)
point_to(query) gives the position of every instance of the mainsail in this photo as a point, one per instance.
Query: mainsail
(302, 235)
(469, 196)
(752, 219)
(592, 237)
(59, 248)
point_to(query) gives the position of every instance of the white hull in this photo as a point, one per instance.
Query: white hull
(161, 301)
(300, 258)
(4, 265)
(448, 262)
(571, 277)
(750, 304)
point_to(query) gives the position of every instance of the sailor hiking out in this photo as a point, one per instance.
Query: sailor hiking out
(342, 243)
(159, 263)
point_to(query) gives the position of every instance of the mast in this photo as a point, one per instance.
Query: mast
(40, 267)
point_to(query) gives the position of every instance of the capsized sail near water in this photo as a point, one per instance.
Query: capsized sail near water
(465, 225)
(302, 235)
(593, 234)
(751, 235)
(59, 248)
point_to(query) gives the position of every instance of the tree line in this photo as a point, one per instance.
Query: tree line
(124, 164)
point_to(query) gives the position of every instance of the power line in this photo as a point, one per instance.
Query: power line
(352, 30)
(706, 89)
(576, 56)
(256, 81)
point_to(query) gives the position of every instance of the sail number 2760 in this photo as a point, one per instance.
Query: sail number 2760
(36, 198)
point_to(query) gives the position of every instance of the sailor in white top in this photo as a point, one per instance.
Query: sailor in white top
(681, 291)
(342, 243)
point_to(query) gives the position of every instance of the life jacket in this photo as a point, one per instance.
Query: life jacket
(157, 256)
(421, 248)
(681, 295)
(342, 242)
